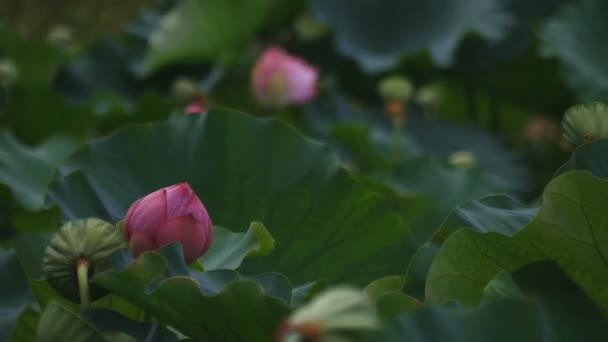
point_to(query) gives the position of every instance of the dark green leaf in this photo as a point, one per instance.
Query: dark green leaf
(25, 329)
(570, 230)
(30, 249)
(575, 36)
(15, 294)
(390, 284)
(506, 321)
(109, 321)
(391, 304)
(240, 310)
(230, 249)
(227, 26)
(589, 157)
(490, 214)
(59, 323)
(502, 286)
(27, 171)
(394, 28)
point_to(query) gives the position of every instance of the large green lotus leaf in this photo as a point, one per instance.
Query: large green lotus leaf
(489, 214)
(28, 171)
(60, 323)
(25, 329)
(245, 169)
(507, 320)
(394, 28)
(206, 306)
(392, 304)
(554, 307)
(570, 230)
(110, 321)
(205, 29)
(576, 36)
(572, 314)
(15, 293)
(502, 286)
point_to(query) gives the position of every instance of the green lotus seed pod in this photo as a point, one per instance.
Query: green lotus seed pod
(585, 122)
(184, 89)
(395, 88)
(89, 241)
(308, 28)
(331, 316)
(462, 159)
(60, 35)
(428, 96)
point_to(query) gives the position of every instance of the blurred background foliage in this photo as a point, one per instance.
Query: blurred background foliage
(491, 79)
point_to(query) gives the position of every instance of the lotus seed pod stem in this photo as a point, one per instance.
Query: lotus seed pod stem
(82, 272)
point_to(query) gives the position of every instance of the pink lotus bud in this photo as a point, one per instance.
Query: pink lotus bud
(196, 106)
(172, 214)
(279, 79)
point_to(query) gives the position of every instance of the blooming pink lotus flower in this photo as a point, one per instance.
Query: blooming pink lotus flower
(279, 79)
(196, 106)
(172, 214)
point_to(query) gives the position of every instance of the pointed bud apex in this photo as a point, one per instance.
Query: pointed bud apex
(86, 241)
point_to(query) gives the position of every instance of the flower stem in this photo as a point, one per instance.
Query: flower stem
(396, 109)
(82, 272)
(396, 138)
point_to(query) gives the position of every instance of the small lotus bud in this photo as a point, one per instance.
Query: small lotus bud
(60, 35)
(184, 89)
(395, 88)
(462, 159)
(86, 241)
(585, 122)
(279, 79)
(334, 313)
(172, 214)
(308, 28)
(8, 71)
(428, 97)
